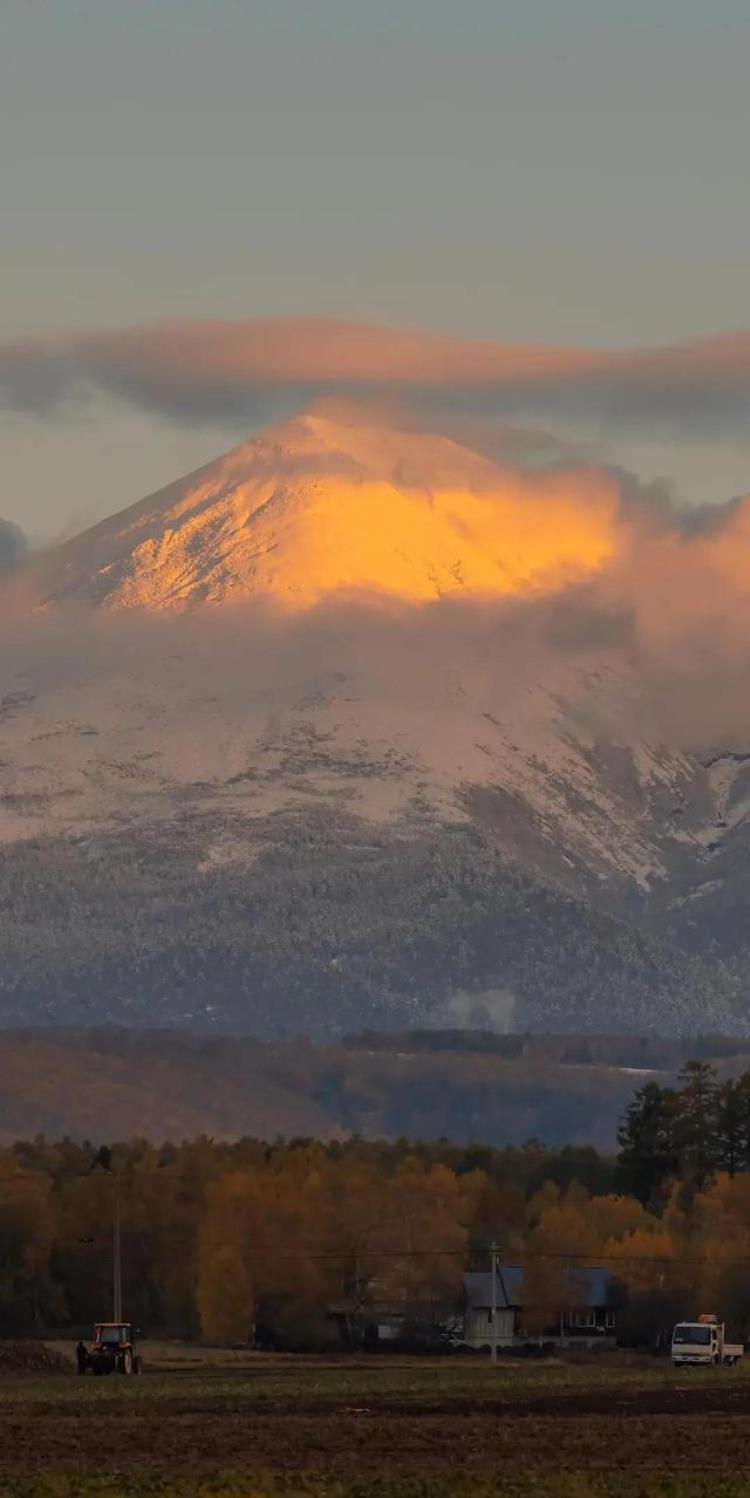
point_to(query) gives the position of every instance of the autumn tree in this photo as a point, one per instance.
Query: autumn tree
(415, 1255)
(545, 1295)
(227, 1237)
(28, 1295)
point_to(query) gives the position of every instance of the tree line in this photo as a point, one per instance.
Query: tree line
(689, 1132)
(224, 1240)
(293, 1243)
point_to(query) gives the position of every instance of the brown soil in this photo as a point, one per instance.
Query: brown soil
(697, 1430)
(31, 1357)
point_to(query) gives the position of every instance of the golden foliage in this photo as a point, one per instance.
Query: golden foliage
(224, 1240)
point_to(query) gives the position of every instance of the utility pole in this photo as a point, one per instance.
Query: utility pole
(117, 1257)
(355, 1325)
(493, 1313)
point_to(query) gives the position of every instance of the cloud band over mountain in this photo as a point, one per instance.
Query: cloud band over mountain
(245, 370)
(372, 527)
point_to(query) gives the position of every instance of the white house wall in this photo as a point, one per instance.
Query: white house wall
(478, 1328)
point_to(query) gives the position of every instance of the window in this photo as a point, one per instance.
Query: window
(114, 1334)
(690, 1335)
(583, 1319)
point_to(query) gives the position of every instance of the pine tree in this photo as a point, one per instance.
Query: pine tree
(733, 1124)
(730, 1126)
(646, 1138)
(695, 1123)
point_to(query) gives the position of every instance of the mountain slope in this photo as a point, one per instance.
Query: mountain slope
(316, 930)
(321, 505)
(378, 786)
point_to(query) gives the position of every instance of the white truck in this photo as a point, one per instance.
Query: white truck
(701, 1343)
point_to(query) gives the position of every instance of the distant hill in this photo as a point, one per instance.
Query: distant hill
(116, 1084)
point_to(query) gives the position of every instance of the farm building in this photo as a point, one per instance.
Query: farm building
(575, 1306)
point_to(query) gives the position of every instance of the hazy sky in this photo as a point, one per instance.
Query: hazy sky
(548, 170)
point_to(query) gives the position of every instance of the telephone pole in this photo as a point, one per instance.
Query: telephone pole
(493, 1313)
(117, 1257)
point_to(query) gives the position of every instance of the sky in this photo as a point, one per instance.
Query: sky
(552, 172)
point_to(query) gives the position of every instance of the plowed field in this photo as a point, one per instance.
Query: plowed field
(296, 1427)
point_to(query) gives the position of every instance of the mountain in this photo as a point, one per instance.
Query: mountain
(320, 505)
(307, 742)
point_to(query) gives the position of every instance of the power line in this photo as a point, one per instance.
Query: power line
(162, 1172)
(309, 1252)
(363, 1252)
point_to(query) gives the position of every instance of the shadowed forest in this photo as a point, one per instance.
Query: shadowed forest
(461, 1084)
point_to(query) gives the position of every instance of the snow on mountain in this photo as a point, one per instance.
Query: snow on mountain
(214, 808)
(321, 505)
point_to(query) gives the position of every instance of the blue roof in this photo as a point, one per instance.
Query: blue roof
(586, 1287)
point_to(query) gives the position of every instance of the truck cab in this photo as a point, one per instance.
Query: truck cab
(703, 1343)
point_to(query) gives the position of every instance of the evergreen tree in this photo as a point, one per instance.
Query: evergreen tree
(733, 1124)
(729, 1126)
(743, 1091)
(646, 1138)
(695, 1132)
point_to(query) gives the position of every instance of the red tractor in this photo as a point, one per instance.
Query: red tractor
(113, 1350)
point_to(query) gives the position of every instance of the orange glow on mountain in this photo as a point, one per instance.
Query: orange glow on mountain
(321, 506)
(419, 545)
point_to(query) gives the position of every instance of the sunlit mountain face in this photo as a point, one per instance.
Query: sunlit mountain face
(324, 505)
(357, 723)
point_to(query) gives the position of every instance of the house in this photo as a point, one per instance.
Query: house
(577, 1308)
(382, 1323)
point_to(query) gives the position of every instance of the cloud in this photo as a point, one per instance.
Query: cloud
(492, 1009)
(569, 578)
(247, 371)
(653, 646)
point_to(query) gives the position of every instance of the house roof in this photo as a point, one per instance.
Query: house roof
(584, 1287)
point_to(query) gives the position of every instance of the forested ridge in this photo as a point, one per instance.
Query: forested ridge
(465, 1084)
(326, 924)
(233, 1240)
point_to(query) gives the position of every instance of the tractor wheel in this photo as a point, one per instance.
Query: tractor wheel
(137, 1365)
(126, 1363)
